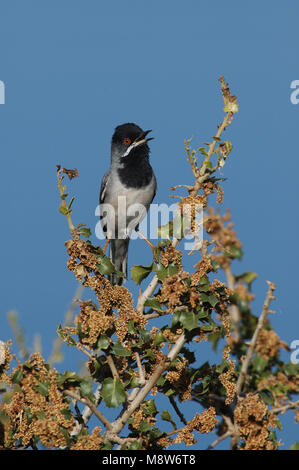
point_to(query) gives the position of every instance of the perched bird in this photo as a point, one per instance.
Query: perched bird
(127, 190)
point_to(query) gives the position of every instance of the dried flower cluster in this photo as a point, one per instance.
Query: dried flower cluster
(253, 421)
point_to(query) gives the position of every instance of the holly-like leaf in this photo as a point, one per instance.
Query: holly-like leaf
(86, 390)
(234, 252)
(113, 392)
(85, 232)
(105, 266)
(247, 277)
(210, 299)
(68, 377)
(102, 343)
(119, 350)
(188, 319)
(139, 272)
(163, 272)
(166, 416)
(17, 377)
(153, 303)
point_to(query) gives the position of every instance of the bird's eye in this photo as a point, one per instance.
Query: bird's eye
(127, 141)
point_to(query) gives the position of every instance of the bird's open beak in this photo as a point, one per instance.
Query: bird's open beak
(141, 139)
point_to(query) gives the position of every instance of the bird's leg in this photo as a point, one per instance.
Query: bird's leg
(145, 239)
(106, 244)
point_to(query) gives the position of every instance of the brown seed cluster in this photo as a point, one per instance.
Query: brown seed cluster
(221, 231)
(180, 379)
(173, 287)
(170, 255)
(203, 267)
(203, 423)
(268, 343)
(37, 408)
(253, 421)
(91, 441)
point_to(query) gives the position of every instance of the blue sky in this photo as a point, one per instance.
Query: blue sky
(73, 70)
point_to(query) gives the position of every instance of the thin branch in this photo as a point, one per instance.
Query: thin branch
(92, 407)
(177, 410)
(289, 406)
(64, 208)
(112, 366)
(118, 425)
(220, 438)
(140, 369)
(250, 351)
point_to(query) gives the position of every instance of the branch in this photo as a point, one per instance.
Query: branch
(176, 409)
(91, 406)
(118, 425)
(250, 351)
(282, 409)
(220, 438)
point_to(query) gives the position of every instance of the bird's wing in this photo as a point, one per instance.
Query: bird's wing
(104, 186)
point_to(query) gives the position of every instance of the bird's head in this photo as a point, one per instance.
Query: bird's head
(129, 140)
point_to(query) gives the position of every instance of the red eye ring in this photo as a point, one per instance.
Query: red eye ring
(127, 141)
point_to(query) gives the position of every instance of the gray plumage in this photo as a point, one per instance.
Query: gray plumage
(127, 190)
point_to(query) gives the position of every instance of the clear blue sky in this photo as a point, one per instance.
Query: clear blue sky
(74, 70)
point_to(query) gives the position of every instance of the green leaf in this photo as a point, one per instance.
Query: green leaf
(166, 416)
(159, 338)
(139, 272)
(163, 272)
(234, 252)
(119, 350)
(29, 415)
(68, 377)
(210, 299)
(150, 407)
(267, 397)
(105, 266)
(17, 377)
(42, 387)
(247, 277)
(85, 232)
(113, 392)
(86, 390)
(295, 446)
(144, 426)
(189, 320)
(259, 363)
(135, 445)
(153, 303)
(102, 343)
(215, 265)
(66, 412)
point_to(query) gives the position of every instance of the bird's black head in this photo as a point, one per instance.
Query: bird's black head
(127, 140)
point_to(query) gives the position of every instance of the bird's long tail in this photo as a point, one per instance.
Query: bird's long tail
(119, 257)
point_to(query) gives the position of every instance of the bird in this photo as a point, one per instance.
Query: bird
(127, 191)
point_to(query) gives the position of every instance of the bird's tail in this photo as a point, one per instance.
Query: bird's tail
(119, 257)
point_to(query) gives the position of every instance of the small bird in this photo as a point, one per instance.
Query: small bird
(127, 190)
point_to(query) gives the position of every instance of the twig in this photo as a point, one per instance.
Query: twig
(289, 406)
(176, 409)
(112, 366)
(92, 407)
(140, 369)
(118, 425)
(250, 351)
(63, 205)
(219, 439)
